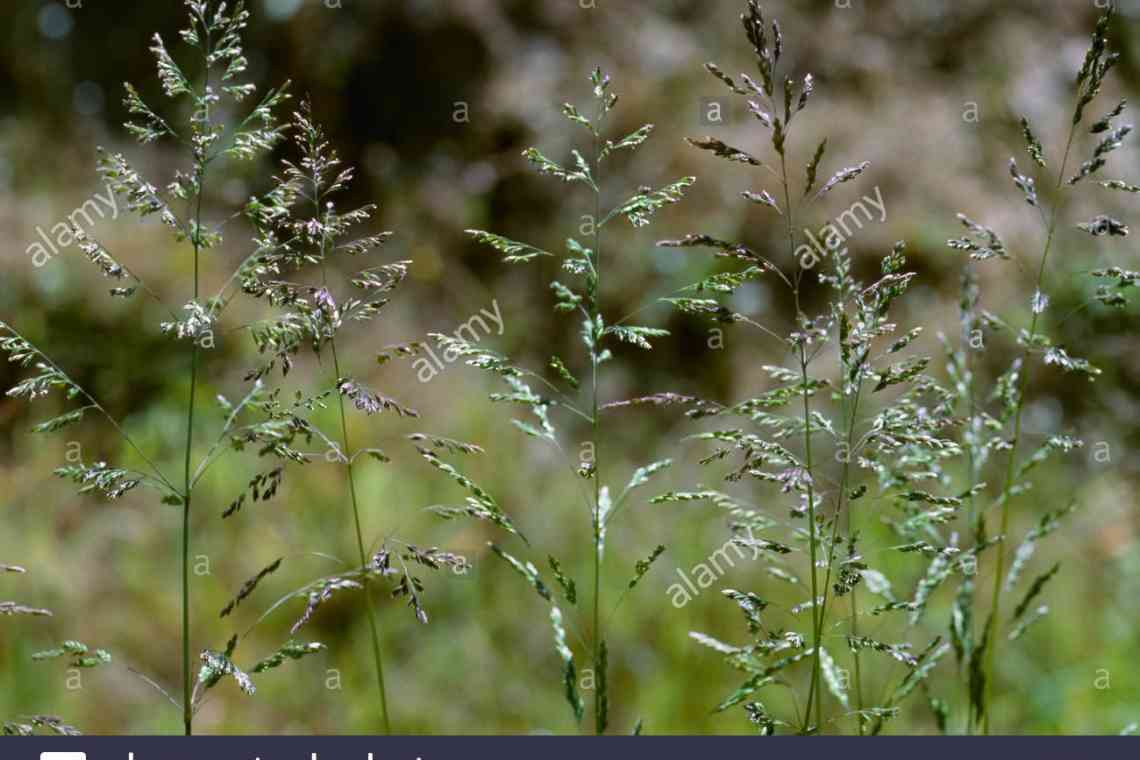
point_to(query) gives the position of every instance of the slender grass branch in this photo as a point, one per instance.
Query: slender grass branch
(599, 713)
(93, 403)
(373, 630)
(187, 673)
(377, 655)
(817, 616)
(817, 621)
(1007, 487)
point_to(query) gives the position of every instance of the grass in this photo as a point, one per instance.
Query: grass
(854, 470)
(275, 429)
(984, 244)
(600, 337)
(911, 444)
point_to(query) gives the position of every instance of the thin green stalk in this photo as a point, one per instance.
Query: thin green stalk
(971, 461)
(968, 370)
(844, 490)
(187, 685)
(817, 612)
(858, 665)
(187, 677)
(599, 716)
(995, 604)
(377, 655)
(817, 623)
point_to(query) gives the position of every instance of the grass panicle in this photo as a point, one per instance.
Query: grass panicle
(994, 433)
(574, 387)
(871, 419)
(202, 85)
(303, 236)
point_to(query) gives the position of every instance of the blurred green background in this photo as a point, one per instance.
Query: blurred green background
(928, 92)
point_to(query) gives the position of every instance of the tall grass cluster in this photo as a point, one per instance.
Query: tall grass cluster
(872, 471)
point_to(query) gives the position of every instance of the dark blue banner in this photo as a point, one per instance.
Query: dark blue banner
(553, 748)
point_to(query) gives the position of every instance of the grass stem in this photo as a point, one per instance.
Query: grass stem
(599, 707)
(1007, 487)
(187, 680)
(817, 622)
(346, 452)
(377, 655)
